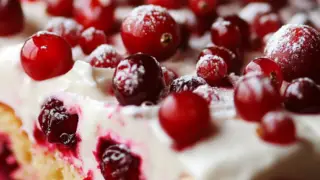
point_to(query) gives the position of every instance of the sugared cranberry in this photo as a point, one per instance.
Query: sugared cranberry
(57, 124)
(91, 38)
(151, 30)
(277, 128)
(185, 117)
(137, 79)
(11, 17)
(95, 13)
(203, 7)
(212, 69)
(59, 7)
(226, 34)
(302, 96)
(46, 55)
(254, 96)
(104, 56)
(186, 83)
(296, 49)
(265, 24)
(168, 75)
(208, 93)
(69, 29)
(119, 163)
(268, 68)
(242, 25)
(176, 4)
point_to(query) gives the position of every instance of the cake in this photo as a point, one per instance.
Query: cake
(164, 91)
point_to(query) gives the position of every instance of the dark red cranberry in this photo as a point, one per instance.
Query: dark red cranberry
(242, 25)
(95, 13)
(57, 123)
(168, 76)
(11, 17)
(268, 68)
(69, 29)
(39, 57)
(234, 63)
(201, 24)
(277, 128)
(118, 163)
(137, 79)
(266, 24)
(186, 83)
(296, 49)
(203, 7)
(185, 117)
(91, 38)
(226, 34)
(60, 7)
(254, 96)
(185, 34)
(302, 96)
(176, 4)
(105, 56)
(212, 69)
(151, 30)
(8, 163)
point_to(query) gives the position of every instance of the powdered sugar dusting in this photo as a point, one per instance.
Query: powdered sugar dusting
(104, 54)
(187, 83)
(249, 12)
(61, 25)
(88, 33)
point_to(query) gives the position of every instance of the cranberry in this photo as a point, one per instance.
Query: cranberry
(233, 62)
(201, 25)
(95, 13)
(254, 96)
(242, 25)
(266, 24)
(296, 49)
(302, 96)
(203, 7)
(185, 117)
(91, 38)
(137, 79)
(39, 57)
(275, 3)
(251, 11)
(168, 75)
(208, 93)
(69, 29)
(11, 17)
(57, 124)
(186, 83)
(267, 67)
(277, 128)
(8, 163)
(60, 7)
(151, 29)
(105, 56)
(212, 69)
(119, 163)
(224, 33)
(176, 4)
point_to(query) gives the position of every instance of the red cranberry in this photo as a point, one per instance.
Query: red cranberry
(201, 25)
(11, 17)
(277, 128)
(296, 49)
(186, 83)
(224, 33)
(254, 96)
(137, 79)
(91, 38)
(242, 25)
(151, 29)
(105, 56)
(57, 124)
(208, 93)
(60, 7)
(185, 117)
(302, 96)
(268, 68)
(176, 4)
(95, 13)
(8, 163)
(212, 69)
(39, 57)
(203, 7)
(266, 24)
(119, 163)
(168, 75)
(69, 29)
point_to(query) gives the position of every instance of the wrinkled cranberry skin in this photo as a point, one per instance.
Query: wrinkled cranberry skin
(203, 7)
(266, 24)
(137, 79)
(60, 7)
(170, 4)
(185, 117)
(39, 57)
(11, 17)
(57, 124)
(90, 39)
(186, 83)
(302, 96)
